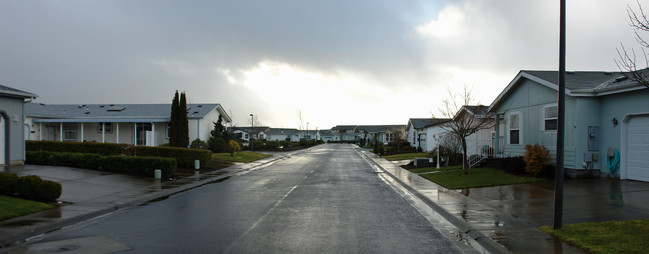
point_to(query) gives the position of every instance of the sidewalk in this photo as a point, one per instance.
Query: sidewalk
(88, 194)
(506, 218)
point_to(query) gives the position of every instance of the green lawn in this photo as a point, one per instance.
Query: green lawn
(477, 177)
(13, 207)
(241, 156)
(405, 156)
(606, 237)
(433, 169)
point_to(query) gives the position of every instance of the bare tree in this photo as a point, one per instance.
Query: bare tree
(466, 119)
(627, 61)
(448, 144)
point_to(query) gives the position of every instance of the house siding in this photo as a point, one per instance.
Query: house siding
(529, 100)
(13, 107)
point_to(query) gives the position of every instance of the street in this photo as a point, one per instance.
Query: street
(324, 200)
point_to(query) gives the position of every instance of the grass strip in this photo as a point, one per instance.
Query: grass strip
(13, 207)
(477, 177)
(406, 156)
(605, 237)
(241, 156)
(434, 169)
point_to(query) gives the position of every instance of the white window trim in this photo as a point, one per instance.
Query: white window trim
(543, 118)
(520, 128)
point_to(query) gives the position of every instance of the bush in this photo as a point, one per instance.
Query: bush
(138, 165)
(272, 145)
(185, 157)
(75, 147)
(514, 165)
(131, 165)
(77, 160)
(48, 191)
(233, 146)
(8, 183)
(199, 144)
(27, 186)
(216, 144)
(535, 158)
(285, 143)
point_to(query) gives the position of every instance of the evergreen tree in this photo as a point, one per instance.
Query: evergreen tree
(173, 122)
(219, 136)
(183, 122)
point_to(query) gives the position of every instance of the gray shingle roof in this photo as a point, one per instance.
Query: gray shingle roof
(282, 131)
(419, 123)
(113, 111)
(582, 79)
(12, 92)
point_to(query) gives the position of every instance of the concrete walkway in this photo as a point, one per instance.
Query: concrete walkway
(506, 218)
(87, 194)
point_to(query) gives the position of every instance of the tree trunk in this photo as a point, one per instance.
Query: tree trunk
(465, 164)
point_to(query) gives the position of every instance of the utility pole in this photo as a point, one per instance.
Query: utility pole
(561, 108)
(252, 129)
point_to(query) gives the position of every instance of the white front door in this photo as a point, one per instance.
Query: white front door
(637, 148)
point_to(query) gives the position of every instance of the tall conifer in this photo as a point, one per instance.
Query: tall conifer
(183, 122)
(173, 121)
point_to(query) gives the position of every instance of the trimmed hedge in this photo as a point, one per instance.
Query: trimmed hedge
(8, 183)
(131, 165)
(184, 156)
(30, 187)
(76, 147)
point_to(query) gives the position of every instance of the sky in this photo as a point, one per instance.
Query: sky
(291, 62)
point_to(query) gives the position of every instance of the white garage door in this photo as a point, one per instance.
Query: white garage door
(2, 141)
(638, 148)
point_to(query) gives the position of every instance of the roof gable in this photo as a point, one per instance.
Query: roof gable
(12, 92)
(578, 83)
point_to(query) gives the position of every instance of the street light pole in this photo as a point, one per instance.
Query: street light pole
(252, 129)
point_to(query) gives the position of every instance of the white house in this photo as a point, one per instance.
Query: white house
(138, 124)
(243, 133)
(12, 125)
(425, 132)
(278, 134)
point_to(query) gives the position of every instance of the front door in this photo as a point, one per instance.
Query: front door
(142, 129)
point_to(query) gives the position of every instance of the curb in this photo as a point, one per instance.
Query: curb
(20, 238)
(488, 244)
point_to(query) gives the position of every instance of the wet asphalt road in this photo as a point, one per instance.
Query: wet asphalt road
(325, 200)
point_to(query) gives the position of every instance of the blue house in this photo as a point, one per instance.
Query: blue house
(607, 121)
(12, 125)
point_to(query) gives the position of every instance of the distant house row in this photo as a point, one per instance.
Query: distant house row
(606, 122)
(344, 133)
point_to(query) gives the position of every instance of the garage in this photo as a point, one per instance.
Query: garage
(636, 154)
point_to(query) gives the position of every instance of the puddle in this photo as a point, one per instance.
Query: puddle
(22, 223)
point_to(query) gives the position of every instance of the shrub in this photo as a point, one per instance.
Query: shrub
(77, 160)
(138, 165)
(216, 144)
(27, 186)
(132, 165)
(535, 158)
(8, 183)
(285, 143)
(75, 147)
(233, 146)
(514, 165)
(198, 144)
(185, 157)
(273, 145)
(48, 191)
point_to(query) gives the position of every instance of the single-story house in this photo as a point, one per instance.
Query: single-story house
(328, 136)
(13, 129)
(138, 124)
(278, 134)
(606, 120)
(425, 132)
(478, 121)
(243, 133)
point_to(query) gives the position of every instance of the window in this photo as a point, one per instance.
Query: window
(167, 130)
(69, 131)
(389, 137)
(108, 126)
(550, 121)
(514, 129)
